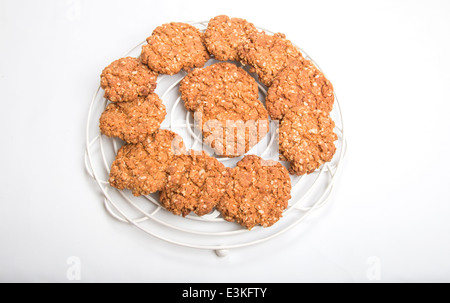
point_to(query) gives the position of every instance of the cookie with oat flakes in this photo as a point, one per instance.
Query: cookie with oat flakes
(173, 47)
(195, 183)
(268, 54)
(142, 167)
(126, 79)
(257, 193)
(227, 110)
(306, 139)
(225, 34)
(133, 121)
(300, 83)
(215, 83)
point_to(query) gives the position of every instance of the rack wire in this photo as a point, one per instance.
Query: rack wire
(211, 232)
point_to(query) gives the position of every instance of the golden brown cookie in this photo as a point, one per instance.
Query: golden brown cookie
(224, 98)
(215, 83)
(133, 121)
(173, 47)
(142, 167)
(306, 139)
(268, 55)
(299, 84)
(195, 183)
(126, 79)
(225, 34)
(234, 126)
(257, 193)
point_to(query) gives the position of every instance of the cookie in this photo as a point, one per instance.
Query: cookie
(133, 121)
(126, 79)
(225, 34)
(299, 84)
(257, 193)
(232, 127)
(173, 47)
(142, 167)
(195, 183)
(268, 55)
(224, 98)
(215, 83)
(306, 139)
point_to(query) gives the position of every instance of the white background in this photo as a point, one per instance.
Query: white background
(389, 63)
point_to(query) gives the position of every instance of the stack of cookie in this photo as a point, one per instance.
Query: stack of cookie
(232, 120)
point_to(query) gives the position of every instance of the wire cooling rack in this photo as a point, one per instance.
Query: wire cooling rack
(211, 232)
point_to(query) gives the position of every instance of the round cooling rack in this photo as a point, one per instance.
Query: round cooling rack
(211, 232)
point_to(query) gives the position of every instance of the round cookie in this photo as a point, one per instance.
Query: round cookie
(232, 127)
(142, 167)
(299, 84)
(225, 34)
(257, 193)
(173, 47)
(268, 55)
(224, 98)
(126, 79)
(133, 121)
(306, 139)
(215, 83)
(195, 183)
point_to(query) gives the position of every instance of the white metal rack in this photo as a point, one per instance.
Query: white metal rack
(211, 231)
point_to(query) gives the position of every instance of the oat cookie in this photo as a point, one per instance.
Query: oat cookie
(195, 183)
(268, 55)
(215, 83)
(142, 167)
(225, 34)
(306, 139)
(224, 98)
(173, 47)
(257, 194)
(300, 83)
(234, 126)
(133, 121)
(126, 79)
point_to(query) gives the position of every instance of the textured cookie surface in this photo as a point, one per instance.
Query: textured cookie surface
(268, 55)
(234, 126)
(173, 47)
(142, 167)
(257, 193)
(195, 183)
(224, 98)
(126, 79)
(306, 139)
(299, 84)
(133, 121)
(225, 34)
(216, 83)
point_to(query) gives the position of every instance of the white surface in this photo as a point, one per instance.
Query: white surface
(388, 218)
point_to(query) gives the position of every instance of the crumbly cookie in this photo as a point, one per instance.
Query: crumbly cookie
(133, 121)
(300, 83)
(195, 183)
(215, 83)
(224, 98)
(232, 127)
(225, 34)
(173, 47)
(142, 167)
(257, 193)
(306, 139)
(268, 55)
(126, 79)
